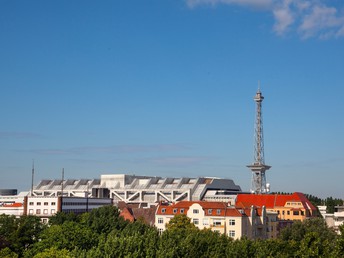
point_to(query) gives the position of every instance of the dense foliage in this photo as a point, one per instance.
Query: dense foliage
(103, 233)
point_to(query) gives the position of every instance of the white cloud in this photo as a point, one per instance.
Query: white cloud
(322, 21)
(114, 149)
(284, 17)
(252, 3)
(310, 18)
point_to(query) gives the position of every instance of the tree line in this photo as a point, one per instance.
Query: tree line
(104, 233)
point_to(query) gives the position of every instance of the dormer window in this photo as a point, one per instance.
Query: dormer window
(163, 210)
(175, 211)
(210, 211)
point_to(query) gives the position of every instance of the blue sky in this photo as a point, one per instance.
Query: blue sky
(165, 88)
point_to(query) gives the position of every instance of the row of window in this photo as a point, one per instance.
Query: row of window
(231, 233)
(45, 211)
(194, 211)
(84, 203)
(295, 213)
(205, 222)
(40, 203)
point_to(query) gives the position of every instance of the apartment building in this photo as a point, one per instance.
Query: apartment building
(235, 222)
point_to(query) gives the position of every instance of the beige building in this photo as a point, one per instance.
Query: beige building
(235, 222)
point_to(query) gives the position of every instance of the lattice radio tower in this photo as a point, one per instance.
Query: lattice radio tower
(258, 168)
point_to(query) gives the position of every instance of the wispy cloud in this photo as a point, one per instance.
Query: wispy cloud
(180, 160)
(112, 149)
(308, 18)
(18, 135)
(251, 3)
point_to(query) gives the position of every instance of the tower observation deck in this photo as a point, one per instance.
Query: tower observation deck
(258, 168)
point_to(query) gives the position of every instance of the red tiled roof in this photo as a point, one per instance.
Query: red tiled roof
(210, 208)
(127, 215)
(273, 200)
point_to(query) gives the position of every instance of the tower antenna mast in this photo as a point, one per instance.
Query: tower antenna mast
(62, 182)
(32, 175)
(258, 168)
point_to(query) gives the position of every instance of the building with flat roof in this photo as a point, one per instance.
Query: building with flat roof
(47, 206)
(144, 190)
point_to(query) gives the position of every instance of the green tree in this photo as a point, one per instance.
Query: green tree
(61, 217)
(53, 252)
(298, 230)
(7, 253)
(331, 203)
(8, 225)
(27, 233)
(312, 246)
(180, 221)
(69, 235)
(103, 219)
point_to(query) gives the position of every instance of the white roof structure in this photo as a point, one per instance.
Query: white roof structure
(144, 190)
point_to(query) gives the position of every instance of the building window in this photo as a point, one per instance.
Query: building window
(39, 203)
(195, 211)
(210, 211)
(175, 211)
(302, 213)
(38, 211)
(282, 212)
(231, 233)
(288, 212)
(196, 221)
(232, 222)
(161, 230)
(30, 203)
(218, 211)
(30, 211)
(205, 222)
(296, 213)
(216, 223)
(160, 221)
(45, 221)
(182, 211)
(45, 211)
(53, 203)
(163, 210)
(52, 211)
(46, 203)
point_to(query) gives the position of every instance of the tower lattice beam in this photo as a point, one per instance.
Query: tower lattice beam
(258, 168)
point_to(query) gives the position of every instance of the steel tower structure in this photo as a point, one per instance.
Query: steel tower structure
(258, 168)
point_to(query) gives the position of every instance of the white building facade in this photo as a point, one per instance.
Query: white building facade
(45, 206)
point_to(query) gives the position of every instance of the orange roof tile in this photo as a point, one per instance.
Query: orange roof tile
(273, 200)
(126, 214)
(216, 208)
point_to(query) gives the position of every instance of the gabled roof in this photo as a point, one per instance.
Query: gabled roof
(210, 209)
(127, 214)
(273, 200)
(132, 213)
